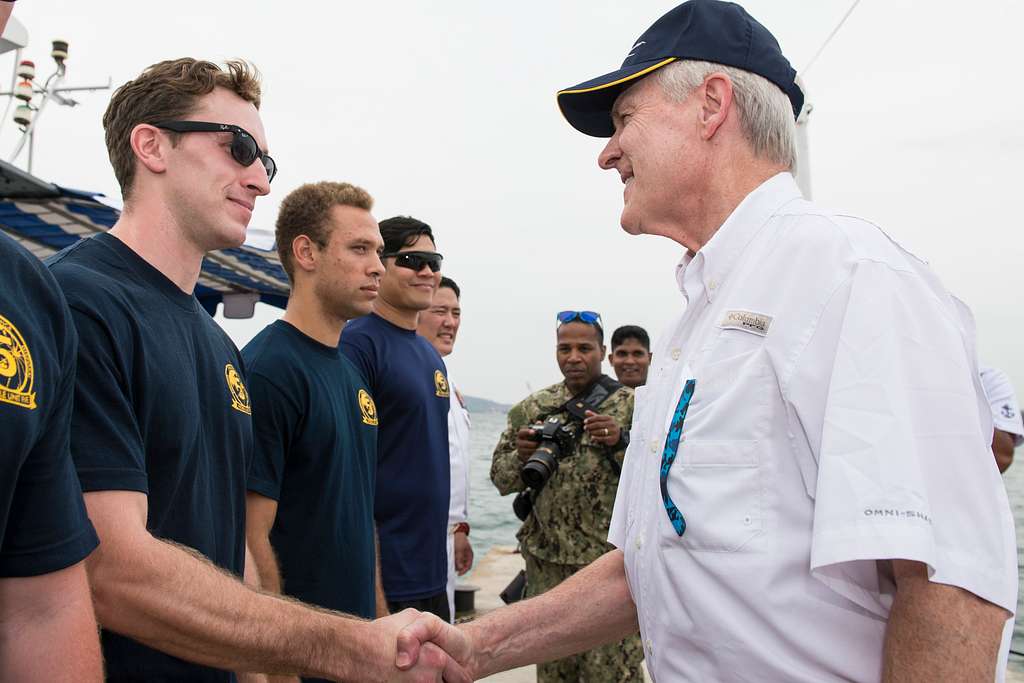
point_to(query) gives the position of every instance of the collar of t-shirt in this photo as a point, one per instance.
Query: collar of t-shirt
(303, 338)
(147, 273)
(706, 271)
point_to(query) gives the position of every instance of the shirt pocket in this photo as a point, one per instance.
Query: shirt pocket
(717, 478)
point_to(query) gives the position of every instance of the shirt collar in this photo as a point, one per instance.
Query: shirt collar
(708, 269)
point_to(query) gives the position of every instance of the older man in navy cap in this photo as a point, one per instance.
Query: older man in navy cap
(808, 493)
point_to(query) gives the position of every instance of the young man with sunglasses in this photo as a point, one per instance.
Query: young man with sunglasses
(161, 427)
(567, 527)
(439, 325)
(409, 383)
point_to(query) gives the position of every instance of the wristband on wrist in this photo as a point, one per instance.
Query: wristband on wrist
(462, 527)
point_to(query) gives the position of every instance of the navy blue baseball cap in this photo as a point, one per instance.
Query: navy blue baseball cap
(704, 30)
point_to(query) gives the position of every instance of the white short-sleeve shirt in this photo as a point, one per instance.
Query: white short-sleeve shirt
(1003, 402)
(458, 453)
(836, 419)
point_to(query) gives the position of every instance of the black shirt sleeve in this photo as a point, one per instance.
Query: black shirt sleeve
(275, 419)
(47, 526)
(106, 443)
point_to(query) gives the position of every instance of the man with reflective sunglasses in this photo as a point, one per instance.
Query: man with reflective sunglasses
(409, 383)
(809, 493)
(567, 527)
(162, 432)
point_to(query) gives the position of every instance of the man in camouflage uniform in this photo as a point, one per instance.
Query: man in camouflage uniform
(568, 526)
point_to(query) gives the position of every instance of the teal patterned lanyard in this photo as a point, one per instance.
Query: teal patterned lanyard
(668, 456)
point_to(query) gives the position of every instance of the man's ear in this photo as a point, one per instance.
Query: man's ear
(150, 147)
(716, 103)
(304, 253)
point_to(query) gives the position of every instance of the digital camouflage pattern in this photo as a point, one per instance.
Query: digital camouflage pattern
(620, 662)
(570, 518)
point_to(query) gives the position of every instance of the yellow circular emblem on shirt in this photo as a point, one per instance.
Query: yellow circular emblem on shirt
(17, 374)
(441, 384)
(367, 408)
(239, 395)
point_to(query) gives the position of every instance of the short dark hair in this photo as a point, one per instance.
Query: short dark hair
(403, 231)
(597, 329)
(450, 284)
(625, 332)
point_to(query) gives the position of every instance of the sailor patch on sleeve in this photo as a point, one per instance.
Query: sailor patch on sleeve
(441, 384)
(16, 371)
(367, 408)
(239, 395)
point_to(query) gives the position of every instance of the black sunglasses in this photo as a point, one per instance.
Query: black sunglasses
(415, 260)
(244, 149)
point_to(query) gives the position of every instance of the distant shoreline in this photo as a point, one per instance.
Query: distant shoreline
(475, 404)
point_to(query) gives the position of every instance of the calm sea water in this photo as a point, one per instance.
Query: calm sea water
(494, 524)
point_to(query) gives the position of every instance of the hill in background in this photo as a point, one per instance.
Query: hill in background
(483, 405)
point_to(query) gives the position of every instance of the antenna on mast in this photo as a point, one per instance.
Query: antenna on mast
(26, 114)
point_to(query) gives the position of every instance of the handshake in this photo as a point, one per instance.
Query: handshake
(428, 649)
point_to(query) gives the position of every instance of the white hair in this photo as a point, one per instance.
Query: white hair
(766, 114)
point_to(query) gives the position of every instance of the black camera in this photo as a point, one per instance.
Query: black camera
(557, 439)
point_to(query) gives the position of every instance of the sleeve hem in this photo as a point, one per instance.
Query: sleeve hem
(53, 558)
(264, 488)
(106, 479)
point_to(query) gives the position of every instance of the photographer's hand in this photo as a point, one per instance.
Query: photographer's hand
(602, 429)
(526, 443)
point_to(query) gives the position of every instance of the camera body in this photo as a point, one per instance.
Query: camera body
(557, 440)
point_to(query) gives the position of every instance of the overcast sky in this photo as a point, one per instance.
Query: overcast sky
(446, 111)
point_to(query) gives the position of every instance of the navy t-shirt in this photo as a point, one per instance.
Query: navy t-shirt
(409, 383)
(160, 408)
(43, 525)
(315, 427)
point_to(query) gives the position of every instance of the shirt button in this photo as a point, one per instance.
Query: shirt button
(639, 542)
(676, 353)
(712, 285)
(654, 447)
(650, 646)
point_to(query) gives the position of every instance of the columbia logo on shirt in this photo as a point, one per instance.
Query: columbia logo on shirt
(236, 388)
(16, 371)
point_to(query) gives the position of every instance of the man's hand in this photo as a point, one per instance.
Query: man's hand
(463, 553)
(602, 429)
(526, 443)
(427, 632)
(425, 648)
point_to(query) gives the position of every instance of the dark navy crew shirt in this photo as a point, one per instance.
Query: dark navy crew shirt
(43, 525)
(315, 427)
(160, 408)
(409, 383)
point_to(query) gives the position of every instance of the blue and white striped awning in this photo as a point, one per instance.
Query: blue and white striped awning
(45, 218)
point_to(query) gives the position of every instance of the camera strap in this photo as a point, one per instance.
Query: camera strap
(598, 393)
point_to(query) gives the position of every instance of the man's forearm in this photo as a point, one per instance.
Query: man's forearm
(268, 572)
(174, 600)
(591, 608)
(505, 471)
(938, 632)
(382, 600)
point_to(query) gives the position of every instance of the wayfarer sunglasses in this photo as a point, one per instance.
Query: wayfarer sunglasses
(244, 149)
(415, 260)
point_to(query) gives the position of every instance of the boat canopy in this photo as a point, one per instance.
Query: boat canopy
(46, 218)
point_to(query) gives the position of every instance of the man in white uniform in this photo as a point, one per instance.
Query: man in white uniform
(808, 494)
(440, 325)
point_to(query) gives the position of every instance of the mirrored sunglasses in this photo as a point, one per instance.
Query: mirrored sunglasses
(415, 260)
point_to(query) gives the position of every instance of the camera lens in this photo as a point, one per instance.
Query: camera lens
(539, 468)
